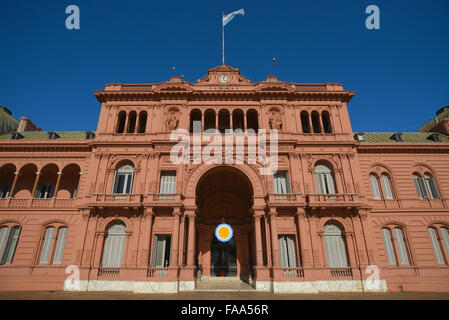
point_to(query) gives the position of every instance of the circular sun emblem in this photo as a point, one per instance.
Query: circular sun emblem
(224, 232)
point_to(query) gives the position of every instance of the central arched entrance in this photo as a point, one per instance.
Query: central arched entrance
(224, 194)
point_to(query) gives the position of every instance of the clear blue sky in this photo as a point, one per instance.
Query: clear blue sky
(400, 73)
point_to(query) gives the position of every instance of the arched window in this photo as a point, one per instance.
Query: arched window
(132, 122)
(209, 119)
(56, 251)
(252, 120)
(121, 120)
(237, 120)
(335, 246)
(425, 187)
(326, 122)
(439, 238)
(114, 246)
(316, 122)
(223, 120)
(142, 122)
(324, 179)
(9, 236)
(195, 120)
(386, 192)
(305, 122)
(396, 248)
(123, 179)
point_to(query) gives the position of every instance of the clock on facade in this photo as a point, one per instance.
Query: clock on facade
(223, 78)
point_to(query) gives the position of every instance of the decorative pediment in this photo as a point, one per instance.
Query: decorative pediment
(173, 87)
(274, 87)
(223, 75)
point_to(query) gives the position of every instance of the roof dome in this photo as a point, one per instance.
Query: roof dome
(7, 122)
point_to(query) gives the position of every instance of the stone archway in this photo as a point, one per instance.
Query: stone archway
(224, 194)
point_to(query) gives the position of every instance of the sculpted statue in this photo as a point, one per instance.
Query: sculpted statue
(275, 120)
(172, 121)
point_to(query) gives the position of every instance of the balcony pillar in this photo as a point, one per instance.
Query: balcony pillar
(58, 181)
(274, 238)
(174, 253)
(244, 121)
(36, 181)
(14, 183)
(321, 123)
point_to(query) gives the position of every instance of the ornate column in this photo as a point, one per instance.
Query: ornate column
(302, 226)
(36, 181)
(258, 237)
(14, 183)
(191, 241)
(174, 253)
(274, 238)
(321, 123)
(181, 241)
(268, 243)
(244, 120)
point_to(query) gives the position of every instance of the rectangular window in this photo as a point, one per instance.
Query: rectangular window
(281, 182)
(436, 246)
(401, 246)
(10, 247)
(168, 182)
(389, 249)
(161, 251)
(287, 251)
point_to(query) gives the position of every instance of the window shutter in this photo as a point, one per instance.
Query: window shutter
(283, 251)
(436, 246)
(431, 186)
(374, 187)
(386, 187)
(401, 246)
(389, 249)
(60, 244)
(10, 247)
(445, 234)
(291, 251)
(3, 232)
(48, 239)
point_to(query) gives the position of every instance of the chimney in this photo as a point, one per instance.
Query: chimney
(26, 124)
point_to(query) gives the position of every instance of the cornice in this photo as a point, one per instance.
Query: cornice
(369, 147)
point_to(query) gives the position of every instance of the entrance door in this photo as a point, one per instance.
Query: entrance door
(223, 258)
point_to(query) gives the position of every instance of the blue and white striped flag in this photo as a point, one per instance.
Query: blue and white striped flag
(231, 15)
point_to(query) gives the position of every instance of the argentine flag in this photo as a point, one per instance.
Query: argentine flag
(231, 15)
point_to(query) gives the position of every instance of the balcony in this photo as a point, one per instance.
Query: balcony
(342, 200)
(36, 203)
(286, 199)
(163, 200)
(117, 200)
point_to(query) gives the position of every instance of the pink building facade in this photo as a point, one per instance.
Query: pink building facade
(343, 212)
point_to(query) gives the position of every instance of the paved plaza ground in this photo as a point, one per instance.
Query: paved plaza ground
(226, 295)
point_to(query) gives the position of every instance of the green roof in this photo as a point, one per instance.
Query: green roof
(7, 122)
(442, 113)
(43, 135)
(417, 137)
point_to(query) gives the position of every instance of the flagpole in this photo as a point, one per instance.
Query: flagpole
(222, 31)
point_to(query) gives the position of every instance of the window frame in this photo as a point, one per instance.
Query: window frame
(421, 182)
(128, 176)
(4, 260)
(52, 245)
(396, 247)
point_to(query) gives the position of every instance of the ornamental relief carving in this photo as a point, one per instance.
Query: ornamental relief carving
(275, 121)
(172, 119)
